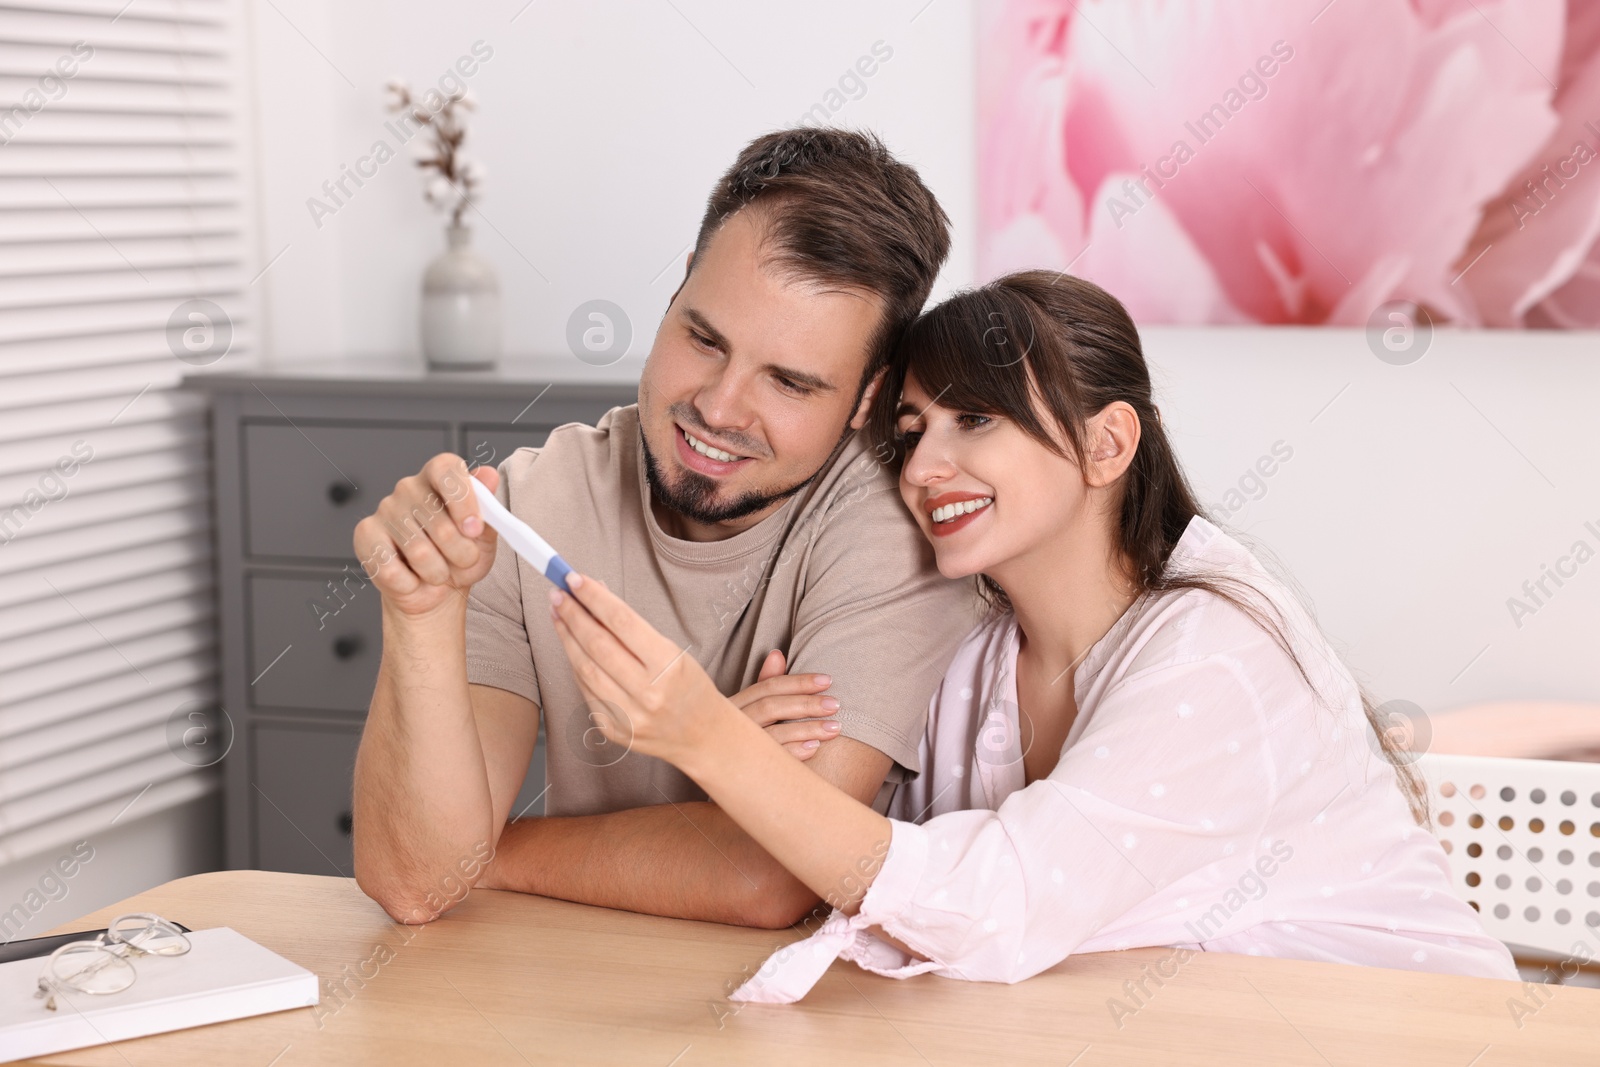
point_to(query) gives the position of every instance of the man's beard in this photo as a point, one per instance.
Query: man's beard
(695, 495)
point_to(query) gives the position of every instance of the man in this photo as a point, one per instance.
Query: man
(735, 507)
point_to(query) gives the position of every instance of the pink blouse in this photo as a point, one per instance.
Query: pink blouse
(1205, 798)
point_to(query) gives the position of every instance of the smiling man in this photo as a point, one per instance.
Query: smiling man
(736, 508)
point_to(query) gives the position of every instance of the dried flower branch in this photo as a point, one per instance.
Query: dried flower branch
(458, 177)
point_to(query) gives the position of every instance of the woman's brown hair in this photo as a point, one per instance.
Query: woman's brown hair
(1072, 346)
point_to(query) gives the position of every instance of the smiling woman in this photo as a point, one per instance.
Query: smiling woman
(1207, 734)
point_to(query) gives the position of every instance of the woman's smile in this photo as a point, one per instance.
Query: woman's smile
(955, 511)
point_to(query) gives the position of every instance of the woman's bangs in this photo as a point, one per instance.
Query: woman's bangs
(970, 354)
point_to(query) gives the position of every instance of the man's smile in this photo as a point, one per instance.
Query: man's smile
(704, 458)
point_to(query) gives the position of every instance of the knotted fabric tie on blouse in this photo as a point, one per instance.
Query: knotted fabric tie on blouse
(790, 972)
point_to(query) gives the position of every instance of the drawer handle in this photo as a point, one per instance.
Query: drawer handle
(341, 492)
(347, 823)
(346, 647)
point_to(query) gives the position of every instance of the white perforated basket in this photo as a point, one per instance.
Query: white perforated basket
(1523, 837)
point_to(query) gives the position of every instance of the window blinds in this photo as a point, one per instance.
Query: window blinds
(124, 155)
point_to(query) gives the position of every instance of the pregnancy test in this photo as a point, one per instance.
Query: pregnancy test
(520, 536)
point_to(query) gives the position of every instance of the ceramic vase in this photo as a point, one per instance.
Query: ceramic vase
(460, 307)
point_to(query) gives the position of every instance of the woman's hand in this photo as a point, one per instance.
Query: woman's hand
(789, 707)
(648, 694)
(653, 696)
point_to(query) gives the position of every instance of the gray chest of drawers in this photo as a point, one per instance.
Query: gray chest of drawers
(300, 455)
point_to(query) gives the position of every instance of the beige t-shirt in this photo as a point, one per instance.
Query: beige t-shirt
(839, 578)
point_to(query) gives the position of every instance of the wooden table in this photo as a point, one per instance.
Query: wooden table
(508, 979)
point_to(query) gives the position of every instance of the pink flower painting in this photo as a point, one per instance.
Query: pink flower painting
(1298, 161)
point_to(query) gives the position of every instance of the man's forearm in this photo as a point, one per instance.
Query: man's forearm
(422, 799)
(687, 861)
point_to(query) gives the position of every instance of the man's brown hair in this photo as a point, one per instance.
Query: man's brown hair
(841, 210)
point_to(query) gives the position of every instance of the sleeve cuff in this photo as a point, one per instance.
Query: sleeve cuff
(791, 971)
(480, 672)
(895, 886)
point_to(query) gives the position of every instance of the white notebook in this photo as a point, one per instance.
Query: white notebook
(224, 975)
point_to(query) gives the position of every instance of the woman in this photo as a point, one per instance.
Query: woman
(1148, 742)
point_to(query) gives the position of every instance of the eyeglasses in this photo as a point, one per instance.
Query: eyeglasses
(105, 964)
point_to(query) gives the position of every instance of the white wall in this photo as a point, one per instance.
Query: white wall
(1413, 507)
(1417, 502)
(603, 125)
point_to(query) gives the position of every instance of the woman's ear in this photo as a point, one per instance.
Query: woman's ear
(859, 419)
(1113, 439)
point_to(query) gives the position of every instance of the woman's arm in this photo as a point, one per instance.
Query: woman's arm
(829, 840)
(663, 704)
(1170, 794)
